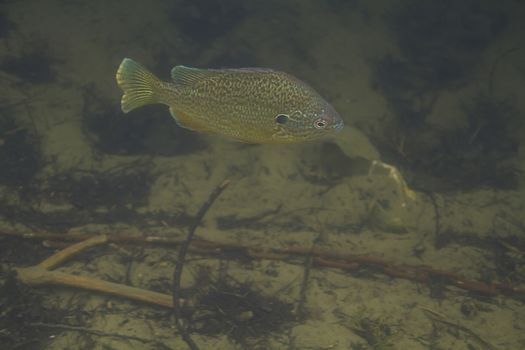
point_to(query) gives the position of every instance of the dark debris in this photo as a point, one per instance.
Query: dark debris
(64, 220)
(11, 247)
(241, 312)
(21, 306)
(6, 25)
(444, 39)
(441, 42)
(36, 67)
(19, 153)
(203, 21)
(149, 130)
(91, 190)
(482, 153)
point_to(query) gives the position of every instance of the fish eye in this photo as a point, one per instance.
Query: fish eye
(281, 119)
(320, 123)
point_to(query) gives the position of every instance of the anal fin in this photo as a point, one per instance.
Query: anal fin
(185, 121)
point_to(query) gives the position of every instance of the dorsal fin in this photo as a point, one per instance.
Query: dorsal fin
(187, 76)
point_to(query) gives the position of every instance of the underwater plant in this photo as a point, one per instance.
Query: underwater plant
(440, 43)
(481, 153)
(442, 39)
(92, 190)
(242, 312)
(6, 25)
(19, 152)
(149, 131)
(36, 67)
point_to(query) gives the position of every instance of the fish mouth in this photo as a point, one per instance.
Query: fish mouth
(338, 126)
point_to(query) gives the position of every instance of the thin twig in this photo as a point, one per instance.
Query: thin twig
(177, 274)
(437, 317)
(61, 256)
(306, 277)
(304, 286)
(437, 217)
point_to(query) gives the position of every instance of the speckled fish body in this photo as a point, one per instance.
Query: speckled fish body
(253, 105)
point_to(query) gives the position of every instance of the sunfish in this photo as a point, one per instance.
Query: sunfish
(252, 105)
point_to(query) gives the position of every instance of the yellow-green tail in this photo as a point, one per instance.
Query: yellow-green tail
(139, 85)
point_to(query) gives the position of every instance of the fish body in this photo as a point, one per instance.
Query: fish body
(253, 105)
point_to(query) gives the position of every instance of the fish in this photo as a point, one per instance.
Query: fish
(251, 105)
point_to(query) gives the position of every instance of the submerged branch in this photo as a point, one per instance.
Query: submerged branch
(321, 258)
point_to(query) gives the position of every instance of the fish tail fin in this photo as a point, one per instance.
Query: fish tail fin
(139, 85)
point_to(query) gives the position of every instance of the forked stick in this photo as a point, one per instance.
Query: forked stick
(42, 274)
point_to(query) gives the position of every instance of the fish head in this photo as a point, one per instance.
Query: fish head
(305, 124)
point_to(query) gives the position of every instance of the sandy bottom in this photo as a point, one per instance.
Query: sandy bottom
(307, 195)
